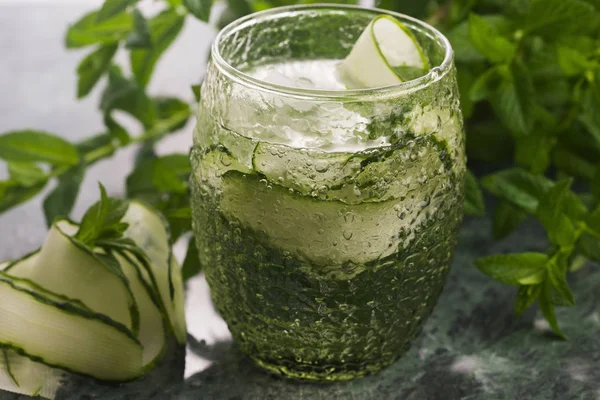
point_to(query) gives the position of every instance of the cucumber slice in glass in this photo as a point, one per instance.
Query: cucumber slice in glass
(385, 54)
(323, 232)
(306, 171)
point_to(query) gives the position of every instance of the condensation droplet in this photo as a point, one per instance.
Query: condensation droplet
(321, 166)
(349, 217)
(225, 160)
(347, 235)
(321, 231)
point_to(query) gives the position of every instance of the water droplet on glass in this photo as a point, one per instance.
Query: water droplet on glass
(426, 201)
(334, 244)
(347, 235)
(349, 217)
(225, 160)
(321, 231)
(356, 190)
(280, 179)
(321, 166)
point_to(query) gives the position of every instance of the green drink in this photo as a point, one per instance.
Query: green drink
(325, 218)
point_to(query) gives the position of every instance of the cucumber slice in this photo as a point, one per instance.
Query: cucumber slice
(321, 231)
(306, 171)
(62, 335)
(152, 333)
(179, 322)
(148, 229)
(385, 46)
(19, 374)
(403, 169)
(67, 269)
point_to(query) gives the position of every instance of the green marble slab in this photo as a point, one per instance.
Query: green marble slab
(472, 347)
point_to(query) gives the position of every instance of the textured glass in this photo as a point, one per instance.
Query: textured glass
(325, 221)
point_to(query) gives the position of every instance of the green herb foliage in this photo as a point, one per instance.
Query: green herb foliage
(529, 79)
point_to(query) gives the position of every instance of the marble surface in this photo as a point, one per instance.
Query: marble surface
(472, 347)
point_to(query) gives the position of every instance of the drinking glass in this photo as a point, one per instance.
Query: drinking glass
(325, 219)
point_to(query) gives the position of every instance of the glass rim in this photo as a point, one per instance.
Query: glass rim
(436, 73)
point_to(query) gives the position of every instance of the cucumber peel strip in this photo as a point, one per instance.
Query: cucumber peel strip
(384, 45)
(62, 335)
(156, 287)
(153, 237)
(21, 375)
(101, 288)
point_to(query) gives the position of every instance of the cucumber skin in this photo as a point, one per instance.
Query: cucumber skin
(294, 318)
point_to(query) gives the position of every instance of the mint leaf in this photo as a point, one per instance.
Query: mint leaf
(191, 264)
(589, 246)
(103, 219)
(103, 141)
(12, 193)
(92, 67)
(464, 51)
(116, 131)
(416, 9)
(596, 184)
(515, 269)
(26, 173)
(593, 221)
(533, 151)
(196, 91)
(125, 95)
(474, 204)
(572, 62)
(591, 104)
(164, 28)
(560, 292)
(548, 309)
(88, 30)
(110, 8)
(526, 296)
(573, 163)
(506, 219)
(140, 37)
(61, 200)
(37, 146)
(240, 7)
(168, 108)
(170, 173)
(488, 41)
(553, 17)
(518, 187)
(514, 100)
(199, 8)
(139, 183)
(484, 85)
(551, 214)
